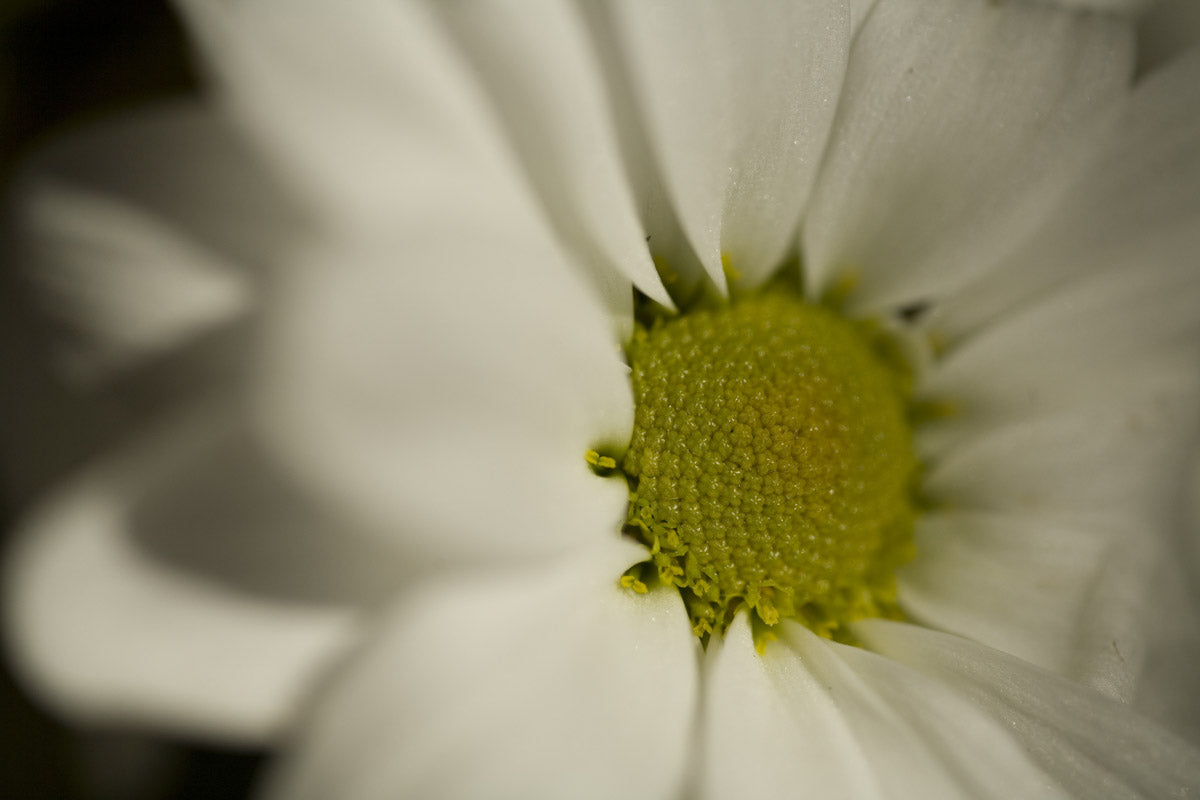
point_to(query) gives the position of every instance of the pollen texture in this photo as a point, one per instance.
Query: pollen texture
(771, 464)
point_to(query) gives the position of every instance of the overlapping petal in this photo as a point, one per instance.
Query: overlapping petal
(738, 101)
(1047, 395)
(1132, 212)
(110, 631)
(445, 346)
(352, 105)
(841, 722)
(221, 196)
(1088, 745)
(127, 287)
(138, 251)
(543, 76)
(534, 683)
(958, 124)
(1030, 585)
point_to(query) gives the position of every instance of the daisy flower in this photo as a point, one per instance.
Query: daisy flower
(637, 399)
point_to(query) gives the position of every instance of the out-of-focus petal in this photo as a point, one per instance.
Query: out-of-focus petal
(1089, 745)
(445, 385)
(364, 108)
(128, 286)
(839, 722)
(960, 121)
(738, 99)
(108, 633)
(220, 195)
(376, 118)
(545, 683)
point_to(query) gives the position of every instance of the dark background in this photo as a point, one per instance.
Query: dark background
(63, 64)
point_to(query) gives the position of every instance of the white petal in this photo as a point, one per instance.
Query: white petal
(770, 726)
(1023, 584)
(377, 120)
(738, 101)
(859, 10)
(129, 285)
(1134, 209)
(959, 121)
(111, 635)
(1081, 400)
(841, 722)
(184, 166)
(224, 511)
(1098, 339)
(676, 261)
(1098, 460)
(1092, 746)
(546, 84)
(543, 683)
(446, 384)
(367, 110)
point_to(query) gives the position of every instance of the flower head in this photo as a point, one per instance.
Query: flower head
(533, 243)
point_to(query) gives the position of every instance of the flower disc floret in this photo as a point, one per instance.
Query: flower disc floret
(771, 464)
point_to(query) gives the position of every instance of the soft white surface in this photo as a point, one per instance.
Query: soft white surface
(1090, 745)
(839, 722)
(1063, 464)
(1073, 368)
(547, 683)
(542, 74)
(444, 386)
(738, 99)
(859, 10)
(1020, 583)
(1099, 339)
(1080, 401)
(129, 285)
(109, 634)
(366, 109)
(666, 241)
(1134, 210)
(958, 123)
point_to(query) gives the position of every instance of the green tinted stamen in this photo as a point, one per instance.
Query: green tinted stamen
(771, 465)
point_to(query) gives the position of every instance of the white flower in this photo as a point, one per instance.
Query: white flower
(431, 338)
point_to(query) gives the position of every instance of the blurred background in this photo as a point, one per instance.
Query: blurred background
(63, 65)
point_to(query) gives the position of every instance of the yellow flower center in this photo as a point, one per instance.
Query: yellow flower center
(771, 464)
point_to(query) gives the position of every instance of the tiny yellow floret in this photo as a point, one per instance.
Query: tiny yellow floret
(599, 463)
